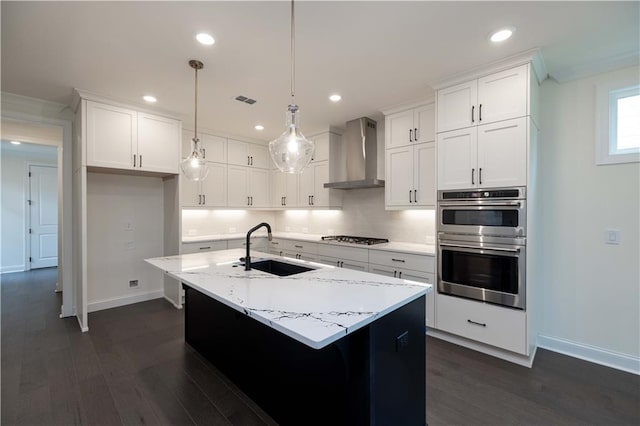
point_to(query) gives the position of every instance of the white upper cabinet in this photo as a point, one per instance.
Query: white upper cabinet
(500, 96)
(410, 127)
(214, 147)
(247, 154)
(502, 156)
(321, 152)
(311, 190)
(158, 146)
(211, 192)
(247, 187)
(112, 136)
(410, 158)
(284, 189)
(457, 158)
(122, 138)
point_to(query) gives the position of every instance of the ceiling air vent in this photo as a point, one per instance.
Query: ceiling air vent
(245, 100)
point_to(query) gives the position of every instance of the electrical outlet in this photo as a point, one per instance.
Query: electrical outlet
(612, 236)
(133, 283)
(129, 245)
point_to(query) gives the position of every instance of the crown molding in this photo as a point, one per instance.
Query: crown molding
(35, 106)
(79, 94)
(611, 63)
(408, 105)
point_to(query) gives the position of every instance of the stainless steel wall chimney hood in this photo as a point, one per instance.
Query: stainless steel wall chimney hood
(361, 149)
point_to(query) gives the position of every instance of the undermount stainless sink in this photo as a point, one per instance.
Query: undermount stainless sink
(281, 269)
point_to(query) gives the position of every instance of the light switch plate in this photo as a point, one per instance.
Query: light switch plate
(612, 236)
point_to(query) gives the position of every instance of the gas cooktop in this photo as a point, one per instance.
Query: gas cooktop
(355, 240)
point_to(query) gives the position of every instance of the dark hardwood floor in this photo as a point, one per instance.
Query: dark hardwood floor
(133, 367)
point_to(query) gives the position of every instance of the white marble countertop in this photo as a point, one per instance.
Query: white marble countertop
(317, 307)
(413, 248)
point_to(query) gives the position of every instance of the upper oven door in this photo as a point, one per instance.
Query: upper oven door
(495, 218)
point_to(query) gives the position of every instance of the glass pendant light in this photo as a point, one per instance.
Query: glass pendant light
(291, 151)
(194, 167)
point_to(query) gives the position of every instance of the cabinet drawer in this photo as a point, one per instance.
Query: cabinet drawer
(203, 246)
(300, 246)
(344, 263)
(256, 244)
(415, 262)
(490, 324)
(276, 245)
(301, 256)
(344, 253)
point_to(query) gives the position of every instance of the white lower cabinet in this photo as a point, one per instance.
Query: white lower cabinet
(407, 266)
(494, 325)
(342, 263)
(203, 246)
(355, 258)
(302, 250)
(259, 244)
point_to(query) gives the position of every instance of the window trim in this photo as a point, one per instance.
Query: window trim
(605, 115)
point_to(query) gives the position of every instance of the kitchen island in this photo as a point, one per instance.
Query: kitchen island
(325, 346)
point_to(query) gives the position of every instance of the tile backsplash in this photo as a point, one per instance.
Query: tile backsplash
(363, 214)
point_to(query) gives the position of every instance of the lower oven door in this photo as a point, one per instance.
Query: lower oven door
(492, 273)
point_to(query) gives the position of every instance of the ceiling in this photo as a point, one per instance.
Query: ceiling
(375, 54)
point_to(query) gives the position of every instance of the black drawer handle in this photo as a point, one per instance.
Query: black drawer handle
(476, 323)
(398, 260)
(298, 246)
(205, 248)
(275, 242)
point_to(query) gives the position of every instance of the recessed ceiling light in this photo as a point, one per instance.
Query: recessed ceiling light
(205, 39)
(335, 98)
(259, 127)
(149, 98)
(502, 34)
(15, 142)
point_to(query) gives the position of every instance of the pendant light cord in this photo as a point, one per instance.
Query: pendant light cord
(293, 54)
(195, 124)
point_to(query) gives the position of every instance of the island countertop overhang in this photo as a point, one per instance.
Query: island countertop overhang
(316, 308)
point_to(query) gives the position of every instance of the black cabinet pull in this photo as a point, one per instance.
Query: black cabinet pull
(275, 242)
(415, 134)
(251, 160)
(480, 113)
(205, 248)
(476, 323)
(400, 274)
(415, 195)
(296, 246)
(248, 163)
(410, 135)
(337, 263)
(480, 175)
(313, 202)
(140, 160)
(398, 260)
(252, 200)
(204, 198)
(199, 199)
(134, 160)
(473, 107)
(410, 196)
(248, 201)
(473, 173)
(341, 264)
(204, 153)
(395, 273)
(285, 200)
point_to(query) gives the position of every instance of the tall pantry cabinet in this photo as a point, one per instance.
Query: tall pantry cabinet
(126, 203)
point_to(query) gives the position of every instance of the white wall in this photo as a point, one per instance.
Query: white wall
(125, 225)
(591, 290)
(209, 222)
(362, 214)
(14, 197)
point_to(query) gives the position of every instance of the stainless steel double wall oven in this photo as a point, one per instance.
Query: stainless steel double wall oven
(482, 245)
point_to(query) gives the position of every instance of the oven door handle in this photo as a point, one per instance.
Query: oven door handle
(482, 204)
(509, 250)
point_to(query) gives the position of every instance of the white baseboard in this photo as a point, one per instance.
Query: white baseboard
(173, 303)
(591, 353)
(526, 361)
(11, 268)
(124, 300)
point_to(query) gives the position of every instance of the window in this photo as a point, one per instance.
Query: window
(618, 124)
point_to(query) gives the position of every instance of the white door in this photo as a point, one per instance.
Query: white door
(457, 106)
(399, 169)
(306, 186)
(424, 174)
(258, 156)
(399, 129)
(502, 154)
(457, 158)
(214, 148)
(158, 143)
(291, 189)
(237, 153)
(277, 188)
(43, 212)
(503, 95)
(321, 176)
(189, 193)
(424, 119)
